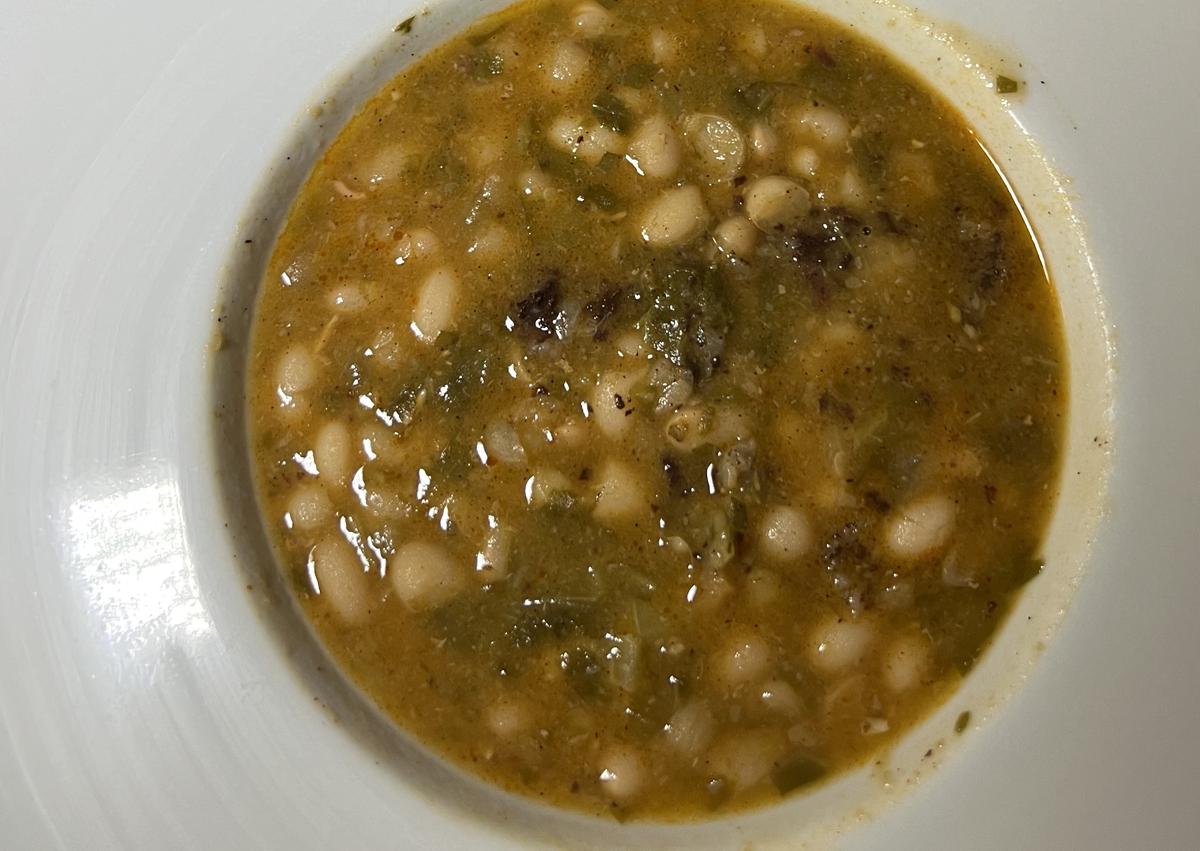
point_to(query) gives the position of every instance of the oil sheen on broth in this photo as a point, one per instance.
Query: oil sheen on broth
(656, 410)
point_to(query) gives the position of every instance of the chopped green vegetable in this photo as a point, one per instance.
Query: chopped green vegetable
(598, 197)
(1027, 568)
(584, 672)
(478, 38)
(608, 162)
(800, 771)
(760, 95)
(961, 723)
(406, 26)
(1006, 85)
(612, 113)
(688, 319)
(755, 96)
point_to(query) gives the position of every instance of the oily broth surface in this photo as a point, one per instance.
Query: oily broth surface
(609, 494)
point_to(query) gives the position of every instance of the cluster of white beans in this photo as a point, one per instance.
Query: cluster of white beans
(801, 157)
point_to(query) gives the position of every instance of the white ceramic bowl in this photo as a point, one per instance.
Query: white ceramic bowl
(150, 699)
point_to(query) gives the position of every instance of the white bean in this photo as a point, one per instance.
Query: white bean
(491, 563)
(906, 663)
(566, 132)
(837, 644)
(295, 371)
(676, 216)
(736, 237)
(309, 507)
(763, 140)
(921, 527)
(339, 579)
(718, 144)
(781, 697)
(664, 47)
(621, 773)
(388, 163)
(572, 433)
(691, 728)
(851, 190)
(841, 334)
(437, 305)
(916, 172)
(507, 717)
(740, 660)
(655, 149)
(545, 486)
(424, 575)
(566, 66)
(503, 443)
(803, 734)
(752, 41)
(481, 152)
(491, 244)
(535, 183)
(887, 260)
(631, 344)
(784, 534)
(380, 444)
(598, 141)
(776, 201)
(746, 757)
(590, 19)
(415, 244)
(386, 503)
(825, 125)
(804, 162)
(332, 453)
(611, 399)
(346, 298)
(620, 494)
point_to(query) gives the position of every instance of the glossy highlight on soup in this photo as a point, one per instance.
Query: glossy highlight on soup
(655, 408)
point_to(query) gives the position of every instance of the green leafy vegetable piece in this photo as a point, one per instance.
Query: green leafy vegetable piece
(756, 96)
(962, 722)
(801, 770)
(1027, 568)
(483, 35)
(609, 161)
(688, 319)
(612, 113)
(598, 197)
(1006, 85)
(761, 94)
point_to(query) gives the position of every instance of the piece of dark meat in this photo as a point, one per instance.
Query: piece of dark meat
(538, 312)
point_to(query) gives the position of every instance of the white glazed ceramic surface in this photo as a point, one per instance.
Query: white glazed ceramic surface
(149, 699)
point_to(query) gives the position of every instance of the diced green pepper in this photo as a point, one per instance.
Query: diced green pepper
(612, 113)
